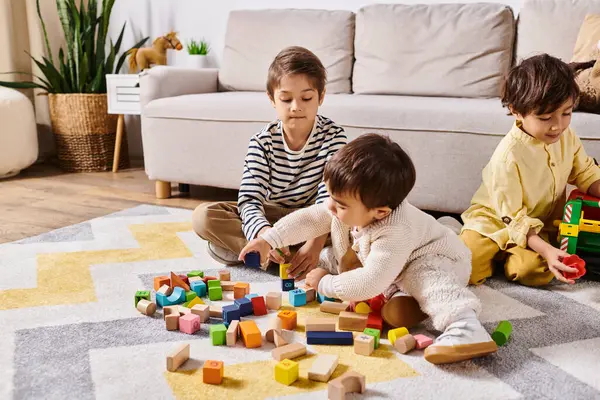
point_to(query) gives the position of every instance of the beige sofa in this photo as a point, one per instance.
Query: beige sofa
(427, 76)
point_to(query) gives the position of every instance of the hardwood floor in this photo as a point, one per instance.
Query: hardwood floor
(43, 198)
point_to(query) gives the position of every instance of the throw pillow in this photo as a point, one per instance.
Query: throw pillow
(586, 64)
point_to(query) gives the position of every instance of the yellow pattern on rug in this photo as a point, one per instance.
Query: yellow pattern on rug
(64, 278)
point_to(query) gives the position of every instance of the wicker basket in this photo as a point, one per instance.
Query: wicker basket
(85, 133)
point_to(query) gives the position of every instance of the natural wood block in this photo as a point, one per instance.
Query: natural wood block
(311, 294)
(177, 281)
(405, 343)
(172, 322)
(146, 307)
(184, 310)
(290, 351)
(165, 289)
(212, 372)
(287, 372)
(333, 307)
(170, 310)
(224, 275)
(275, 325)
(350, 382)
(322, 368)
(320, 324)
(215, 311)
(250, 334)
(289, 319)
(177, 357)
(195, 279)
(364, 344)
(202, 310)
(274, 300)
(227, 286)
(278, 339)
(240, 290)
(159, 281)
(232, 332)
(350, 321)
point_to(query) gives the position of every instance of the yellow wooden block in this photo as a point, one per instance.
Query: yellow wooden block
(362, 308)
(283, 270)
(394, 334)
(287, 371)
(195, 301)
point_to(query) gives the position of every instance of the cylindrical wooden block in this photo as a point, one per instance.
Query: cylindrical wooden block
(405, 343)
(275, 324)
(502, 333)
(146, 307)
(224, 275)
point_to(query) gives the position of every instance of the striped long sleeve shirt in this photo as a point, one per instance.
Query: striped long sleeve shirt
(274, 174)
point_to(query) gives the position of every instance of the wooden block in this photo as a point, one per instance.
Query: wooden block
(297, 297)
(232, 332)
(176, 359)
(212, 372)
(215, 311)
(170, 310)
(189, 323)
(275, 325)
(375, 321)
(278, 339)
(311, 294)
(245, 306)
(394, 334)
(290, 351)
(320, 324)
(250, 334)
(350, 321)
(224, 275)
(331, 338)
(283, 270)
(183, 310)
(405, 343)
(287, 284)
(199, 287)
(274, 300)
(165, 289)
(258, 305)
(375, 333)
(423, 341)
(215, 293)
(195, 274)
(208, 278)
(239, 290)
(218, 334)
(192, 279)
(172, 322)
(146, 307)
(195, 301)
(231, 313)
(202, 311)
(189, 296)
(159, 281)
(176, 281)
(287, 372)
(227, 286)
(322, 368)
(364, 344)
(350, 382)
(213, 283)
(362, 308)
(289, 319)
(141, 294)
(333, 307)
(184, 278)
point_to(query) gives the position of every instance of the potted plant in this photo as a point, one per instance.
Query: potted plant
(197, 52)
(76, 85)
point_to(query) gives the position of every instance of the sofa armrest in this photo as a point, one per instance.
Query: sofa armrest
(161, 81)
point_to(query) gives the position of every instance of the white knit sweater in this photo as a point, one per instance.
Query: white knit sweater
(384, 248)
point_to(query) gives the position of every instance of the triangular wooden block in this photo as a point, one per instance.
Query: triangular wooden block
(177, 281)
(278, 339)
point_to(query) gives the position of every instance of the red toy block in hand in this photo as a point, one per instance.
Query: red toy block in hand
(574, 261)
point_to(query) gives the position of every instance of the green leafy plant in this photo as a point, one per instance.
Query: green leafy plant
(198, 48)
(84, 65)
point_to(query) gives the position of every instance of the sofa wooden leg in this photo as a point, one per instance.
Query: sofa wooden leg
(163, 190)
(184, 188)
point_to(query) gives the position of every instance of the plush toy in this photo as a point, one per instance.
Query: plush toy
(155, 55)
(587, 75)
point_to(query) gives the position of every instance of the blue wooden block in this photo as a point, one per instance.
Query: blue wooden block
(339, 338)
(245, 306)
(199, 287)
(177, 297)
(251, 295)
(287, 284)
(231, 312)
(321, 298)
(252, 260)
(297, 297)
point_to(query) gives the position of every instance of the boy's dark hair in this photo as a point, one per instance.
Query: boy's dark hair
(296, 60)
(374, 168)
(540, 85)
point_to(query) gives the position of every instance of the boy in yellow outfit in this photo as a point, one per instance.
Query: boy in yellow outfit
(524, 184)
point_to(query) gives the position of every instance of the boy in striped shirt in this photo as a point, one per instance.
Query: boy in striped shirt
(283, 170)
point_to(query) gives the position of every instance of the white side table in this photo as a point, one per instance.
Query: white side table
(123, 93)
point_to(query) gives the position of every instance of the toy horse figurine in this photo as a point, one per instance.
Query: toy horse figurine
(155, 55)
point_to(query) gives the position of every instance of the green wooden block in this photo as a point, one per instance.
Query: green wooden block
(217, 334)
(375, 333)
(190, 295)
(215, 293)
(141, 294)
(195, 273)
(214, 283)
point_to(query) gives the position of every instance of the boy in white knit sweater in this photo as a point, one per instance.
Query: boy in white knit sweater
(401, 248)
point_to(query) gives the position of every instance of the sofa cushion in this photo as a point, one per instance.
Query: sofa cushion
(452, 50)
(254, 37)
(551, 26)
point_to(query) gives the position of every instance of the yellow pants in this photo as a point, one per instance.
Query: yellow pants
(522, 265)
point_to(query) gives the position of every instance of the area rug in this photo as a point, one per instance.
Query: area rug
(69, 329)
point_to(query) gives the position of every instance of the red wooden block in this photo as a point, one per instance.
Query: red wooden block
(375, 321)
(259, 306)
(208, 278)
(184, 278)
(376, 303)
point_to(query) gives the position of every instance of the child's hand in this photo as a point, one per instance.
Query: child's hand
(259, 245)
(276, 257)
(314, 277)
(554, 259)
(304, 261)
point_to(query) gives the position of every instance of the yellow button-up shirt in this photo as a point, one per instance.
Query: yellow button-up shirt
(524, 186)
